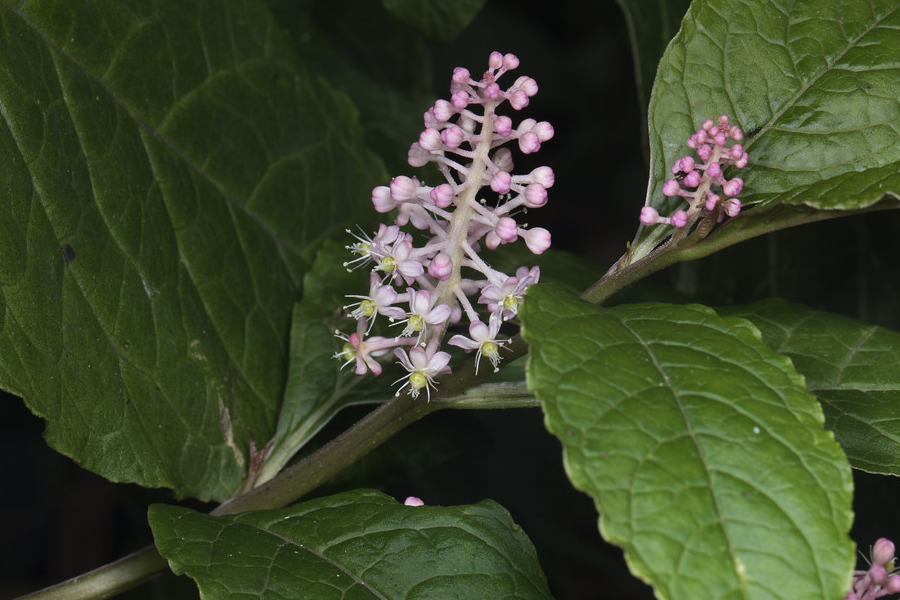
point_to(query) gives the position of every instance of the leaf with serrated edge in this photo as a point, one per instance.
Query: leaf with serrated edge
(705, 455)
(816, 83)
(171, 172)
(356, 545)
(852, 368)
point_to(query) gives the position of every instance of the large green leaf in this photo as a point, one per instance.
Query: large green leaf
(170, 171)
(815, 82)
(704, 453)
(853, 369)
(358, 545)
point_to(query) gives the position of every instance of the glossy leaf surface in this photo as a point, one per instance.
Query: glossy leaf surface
(852, 368)
(171, 169)
(706, 456)
(360, 545)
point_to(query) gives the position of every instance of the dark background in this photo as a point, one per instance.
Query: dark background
(57, 521)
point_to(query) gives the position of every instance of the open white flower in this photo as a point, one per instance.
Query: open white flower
(484, 339)
(422, 369)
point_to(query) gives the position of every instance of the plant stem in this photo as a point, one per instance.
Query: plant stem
(748, 225)
(108, 580)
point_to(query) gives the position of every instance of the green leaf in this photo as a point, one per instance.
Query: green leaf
(360, 544)
(704, 453)
(171, 170)
(441, 21)
(853, 369)
(815, 82)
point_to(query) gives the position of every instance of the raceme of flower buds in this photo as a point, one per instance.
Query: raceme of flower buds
(702, 184)
(426, 282)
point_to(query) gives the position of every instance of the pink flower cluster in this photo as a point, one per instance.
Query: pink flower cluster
(702, 184)
(426, 282)
(879, 579)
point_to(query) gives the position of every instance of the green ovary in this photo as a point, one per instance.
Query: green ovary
(417, 381)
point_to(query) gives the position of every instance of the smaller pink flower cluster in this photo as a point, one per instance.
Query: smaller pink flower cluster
(703, 184)
(880, 579)
(424, 282)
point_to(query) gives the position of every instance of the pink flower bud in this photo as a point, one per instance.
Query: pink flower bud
(543, 176)
(877, 574)
(671, 188)
(733, 187)
(461, 75)
(492, 91)
(649, 215)
(679, 218)
(732, 207)
(403, 188)
(685, 164)
(518, 99)
(441, 267)
(503, 160)
(742, 161)
(893, 584)
(692, 179)
(500, 182)
(544, 131)
(430, 140)
(413, 501)
(507, 229)
(882, 551)
(503, 125)
(453, 137)
(736, 151)
(704, 152)
(381, 198)
(460, 99)
(495, 60)
(442, 195)
(510, 61)
(714, 170)
(443, 110)
(720, 138)
(711, 200)
(527, 85)
(529, 143)
(537, 239)
(707, 124)
(526, 125)
(535, 195)
(417, 156)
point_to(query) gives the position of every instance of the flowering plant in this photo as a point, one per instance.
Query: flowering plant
(228, 278)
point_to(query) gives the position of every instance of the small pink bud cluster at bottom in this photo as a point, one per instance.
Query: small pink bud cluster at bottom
(880, 579)
(430, 282)
(702, 183)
